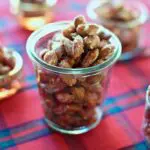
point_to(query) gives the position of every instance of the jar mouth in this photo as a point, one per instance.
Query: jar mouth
(57, 26)
(141, 19)
(11, 75)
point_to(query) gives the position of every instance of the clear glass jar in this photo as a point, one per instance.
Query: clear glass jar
(10, 83)
(128, 32)
(57, 85)
(32, 14)
(146, 122)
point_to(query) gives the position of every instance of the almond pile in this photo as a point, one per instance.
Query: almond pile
(80, 45)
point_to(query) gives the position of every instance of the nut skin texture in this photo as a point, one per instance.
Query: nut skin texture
(60, 109)
(68, 44)
(87, 29)
(79, 93)
(106, 51)
(104, 36)
(64, 97)
(74, 48)
(98, 61)
(92, 42)
(78, 47)
(51, 58)
(95, 79)
(81, 30)
(92, 29)
(90, 58)
(56, 46)
(68, 31)
(69, 80)
(79, 20)
(64, 64)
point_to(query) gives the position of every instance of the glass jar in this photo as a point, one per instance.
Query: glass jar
(10, 83)
(146, 123)
(32, 14)
(58, 85)
(128, 32)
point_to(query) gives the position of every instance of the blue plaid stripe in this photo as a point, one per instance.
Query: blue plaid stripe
(139, 146)
(29, 137)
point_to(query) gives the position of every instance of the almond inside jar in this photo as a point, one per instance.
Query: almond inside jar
(116, 18)
(68, 101)
(9, 82)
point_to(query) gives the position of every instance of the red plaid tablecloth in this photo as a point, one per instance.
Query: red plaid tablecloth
(22, 125)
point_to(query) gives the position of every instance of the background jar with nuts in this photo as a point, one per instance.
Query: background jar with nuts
(125, 19)
(11, 65)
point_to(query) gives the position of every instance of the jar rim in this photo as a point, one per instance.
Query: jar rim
(141, 19)
(11, 75)
(38, 34)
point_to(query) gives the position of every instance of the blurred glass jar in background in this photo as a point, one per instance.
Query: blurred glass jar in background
(11, 65)
(124, 18)
(32, 14)
(146, 123)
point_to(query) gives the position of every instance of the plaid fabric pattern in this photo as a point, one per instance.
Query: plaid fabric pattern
(22, 125)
